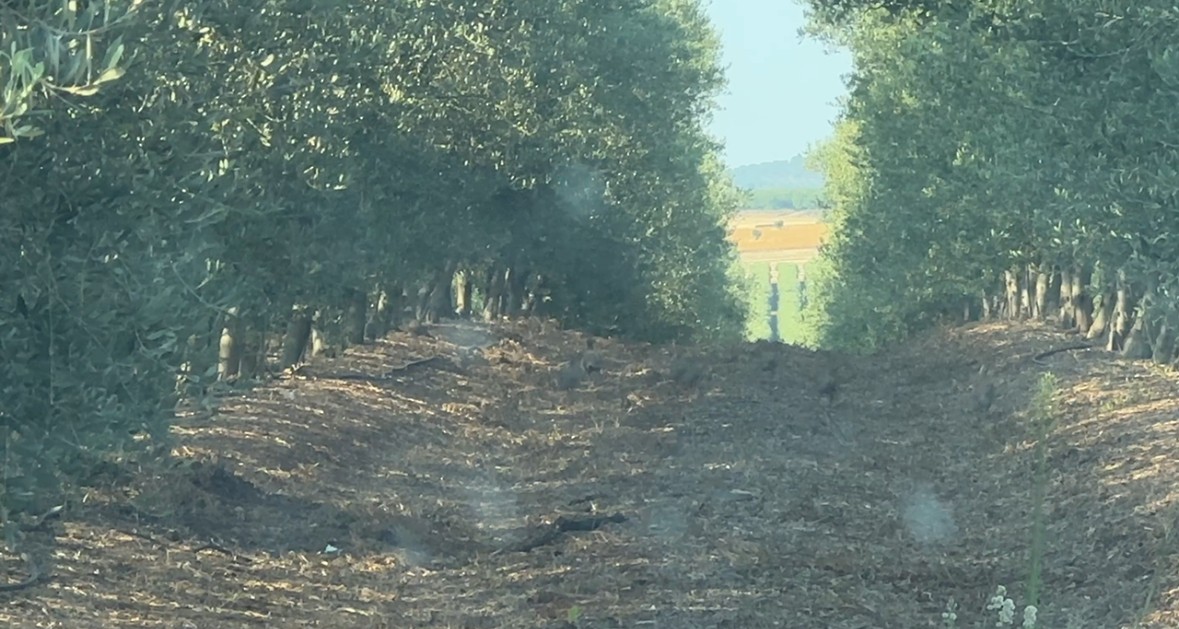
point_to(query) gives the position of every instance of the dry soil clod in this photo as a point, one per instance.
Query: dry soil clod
(984, 396)
(828, 387)
(592, 361)
(570, 375)
(417, 328)
(573, 373)
(687, 373)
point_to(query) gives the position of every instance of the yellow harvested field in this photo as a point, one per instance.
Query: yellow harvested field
(781, 236)
(764, 218)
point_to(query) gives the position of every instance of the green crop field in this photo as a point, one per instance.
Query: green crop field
(789, 307)
(790, 323)
(757, 275)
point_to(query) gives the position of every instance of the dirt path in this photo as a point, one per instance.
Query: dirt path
(467, 492)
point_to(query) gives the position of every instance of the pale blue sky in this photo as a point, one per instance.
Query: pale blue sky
(783, 89)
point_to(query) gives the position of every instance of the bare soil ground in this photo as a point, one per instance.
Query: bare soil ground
(468, 492)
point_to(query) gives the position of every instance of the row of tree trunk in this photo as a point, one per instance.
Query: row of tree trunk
(243, 342)
(1125, 316)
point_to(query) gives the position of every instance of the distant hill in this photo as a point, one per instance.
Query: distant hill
(786, 173)
(784, 184)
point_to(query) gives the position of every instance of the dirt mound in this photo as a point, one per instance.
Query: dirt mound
(443, 479)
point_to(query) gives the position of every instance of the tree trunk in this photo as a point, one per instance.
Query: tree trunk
(516, 288)
(229, 355)
(442, 295)
(1081, 299)
(1067, 312)
(1162, 347)
(1123, 314)
(1138, 340)
(493, 296)
(1103, 312)
(539, 297)
(200, 358)
(1012, 294)
(387, 313)
(531, 297)
(253, 351)
(501, 305)
(1053, 303)
(1025, 292)
(294, 344)
(323, 330)
(422, 304)
(987, 312)
(319, 343)
(462, 292)
(1040, 303)
(355, 317)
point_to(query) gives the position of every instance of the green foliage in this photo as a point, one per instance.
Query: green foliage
(271, 153)
(789, 305)
(848, 307)
(985, 136)
(756, 284)
(55, 49)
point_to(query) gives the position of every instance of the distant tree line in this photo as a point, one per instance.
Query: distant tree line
(784, 173)
(783, 199)
(190, 186)
(1004, 160)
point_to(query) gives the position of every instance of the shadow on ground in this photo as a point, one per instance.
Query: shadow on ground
(786, 488)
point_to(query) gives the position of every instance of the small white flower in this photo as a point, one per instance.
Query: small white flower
(950, 616)
(1029, 617)
(996, 601)
(1005, 606)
